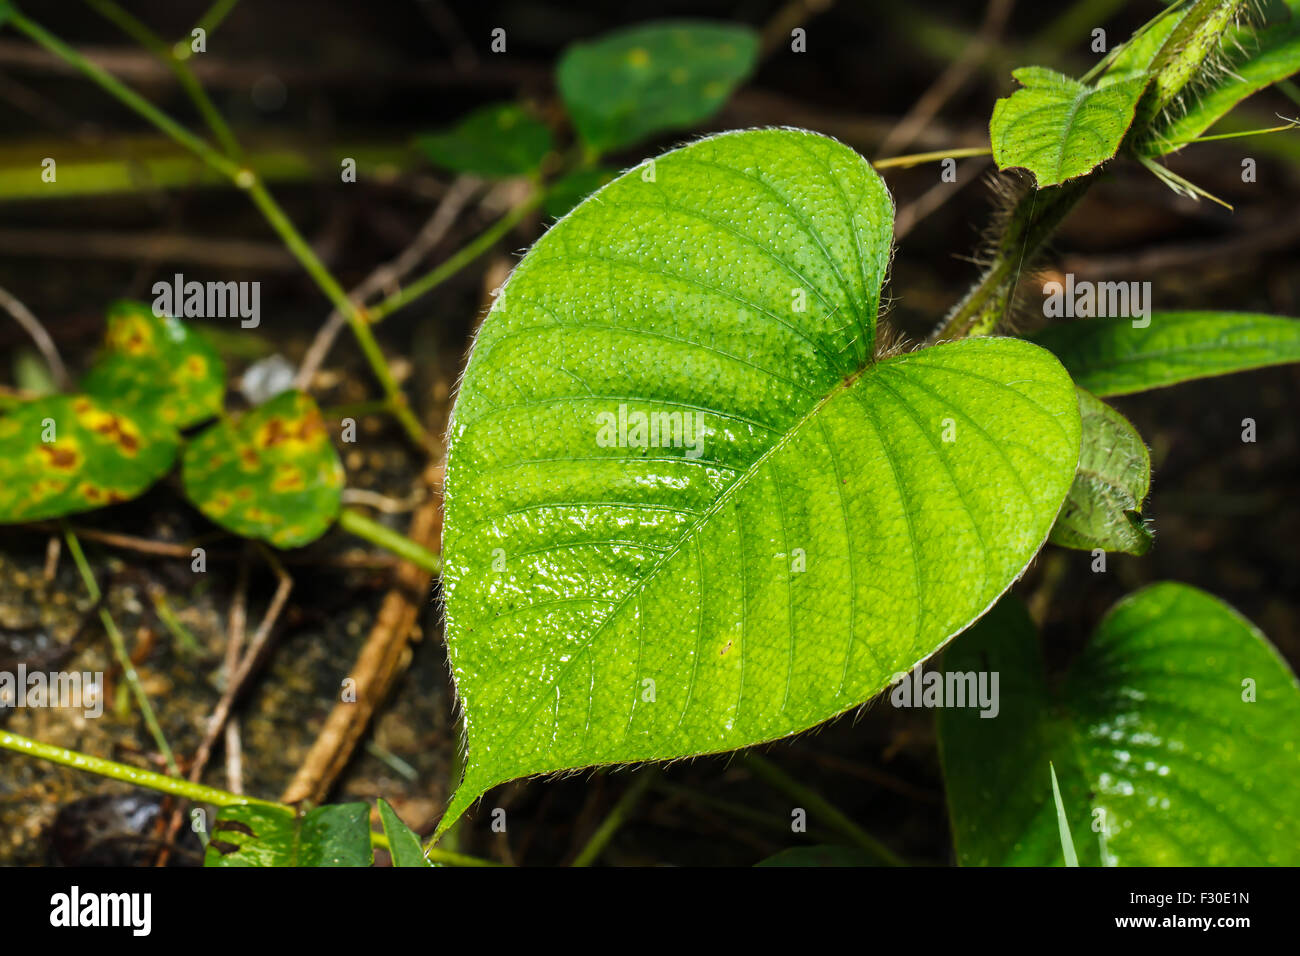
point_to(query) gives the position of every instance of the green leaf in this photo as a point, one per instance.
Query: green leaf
(631, 84)
(1103, 507)
(1111, 357)
(500, 140)
(567, 191)
(818, 522)
(1174, 738)
(820, 856)
(403, 845)
(255, 835)
(271, 473)
(1062, 822)
(1059, 128)
(1276, 58)
(64, 454)
(158, 365)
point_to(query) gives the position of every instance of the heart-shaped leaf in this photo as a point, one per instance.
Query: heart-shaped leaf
(1059, 128)
(1176, 740)
(64, 454)
(630, 84)
(686, 508)
(503, 139)
(258, 835)
(1103, 507)
(159, 365)
(1109, 357)
(271, 474)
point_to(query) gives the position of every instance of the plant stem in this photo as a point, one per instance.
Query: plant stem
(126, 773)
(381, 535)
(915, 159)
(610, 825)
(818, 805)
(119, 651)
(216, 14)
(457, 261)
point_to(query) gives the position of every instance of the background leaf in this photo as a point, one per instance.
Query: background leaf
(100, 456)
(403, 845)
(1110, 357)
(1114, 475)
(1151, 736)
(271, 474)
(1059, 128)
(502, 139)
(837, 521)
(631, 84)
(567, 191)
(255, 835)
(159, 365)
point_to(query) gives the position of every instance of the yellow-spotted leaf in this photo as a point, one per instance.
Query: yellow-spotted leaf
(64, 454)
(158, 365)
(271, 473)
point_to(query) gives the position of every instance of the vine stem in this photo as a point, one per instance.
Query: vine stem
(617, 816)
(119, 652)
(135, 776)
(384, 537)
(246, 179)
(816, 804)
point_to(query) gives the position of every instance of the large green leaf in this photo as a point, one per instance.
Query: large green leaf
(823, 520)
(158, 365)
(1059, 128)
(1103, 507)
(1176, 739)
(271, 474)
(503, 139)
(1111, 357)
(633, 83)
(258, 835)
(63, 454)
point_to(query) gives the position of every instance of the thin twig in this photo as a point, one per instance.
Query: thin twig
(32, 326)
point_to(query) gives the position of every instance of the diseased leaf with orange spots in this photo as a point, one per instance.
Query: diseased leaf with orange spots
(272, 473)
(63, 454)
(157, 364)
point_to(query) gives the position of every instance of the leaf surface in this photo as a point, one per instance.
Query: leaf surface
(1110, 357)
(808, 522)
(1176, 740)
(253, 835)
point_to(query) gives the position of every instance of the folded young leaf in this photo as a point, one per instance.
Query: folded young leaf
(271, 473)
(1059, 128)
(686, 509)
(1103, 507)
(403, 845)
(502, 139)
(631, 84)
(1176, 741)
(65, 454)
(1111, 357)
(256, 835)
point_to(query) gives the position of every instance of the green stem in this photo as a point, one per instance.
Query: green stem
(915, 159)
(610, 825)
(126, 773)
(384, 537)
(435, 855)
(459, 260)
(119, 651)
(216, 14)
(823, 809)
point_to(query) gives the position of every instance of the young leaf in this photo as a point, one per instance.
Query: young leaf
(1102, 508)
(1111, 357)
(63, 454)
(1059, 128)
(255, 835)
(820, 856)
(271, 474)
(503, 139)
(631, 84)
(804, 522)
(158, 365)
(1175, 739)
(403, 845)
(1063, 822)
(567, 191)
